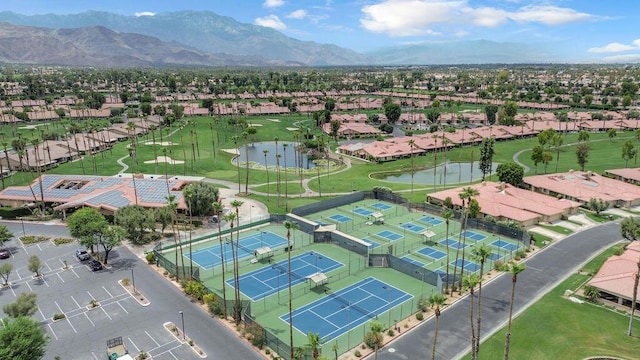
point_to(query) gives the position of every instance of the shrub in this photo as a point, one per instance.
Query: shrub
(195, 289)
(62, 241)
(371, 339)
(499, 265)
(256, 335)
(423, 304)
(521, 254)
(190, 342)
(357, 353)
(267, 351)
(143, 355)
(209, 298)
(125, 281)
(59, 316)
(390, 332)
(215, 308)
(151, 258)
(27, 240)
(419, 316)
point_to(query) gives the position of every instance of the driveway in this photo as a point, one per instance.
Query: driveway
(544, 271)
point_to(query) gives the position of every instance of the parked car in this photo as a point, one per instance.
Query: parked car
(95, 265)
(82, 255)
(5, 253)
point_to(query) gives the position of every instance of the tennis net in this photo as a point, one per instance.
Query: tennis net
(284, 270)
(350, 304)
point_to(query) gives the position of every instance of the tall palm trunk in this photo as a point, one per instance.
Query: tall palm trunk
(474, 354)
(435, 335)
(224, 293)
(236, 295)
(479, 312)
(446, 235)
(290, 293)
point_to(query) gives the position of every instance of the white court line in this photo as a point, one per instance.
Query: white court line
(134, 344)
(107, 291)
(154, 340)
(87, 316)
(53, 332)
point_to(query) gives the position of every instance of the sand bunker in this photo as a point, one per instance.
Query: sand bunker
(161, 143)
(293, 129)
(30, 127)
(165, 159)
(232, 151)
(274, 120)
(255, 125)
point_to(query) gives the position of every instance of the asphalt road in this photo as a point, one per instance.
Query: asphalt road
(544, 271)
(83, 334)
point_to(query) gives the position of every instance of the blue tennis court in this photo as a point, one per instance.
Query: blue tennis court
(389, 235)
(373, 243)
(209, 257)
(412, 261)
(453, 244)
(432, 253)
(362, 211)
(431, 220)
(473, 235)
(468, 265)
(504, 245)
(412, 227)
(340, 218)
(348, 308)
(270, 279)
(494, 256)
(381, 206)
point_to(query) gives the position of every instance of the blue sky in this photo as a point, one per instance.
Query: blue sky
(596, 30)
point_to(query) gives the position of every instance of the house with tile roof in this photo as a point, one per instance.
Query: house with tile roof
(616, 278)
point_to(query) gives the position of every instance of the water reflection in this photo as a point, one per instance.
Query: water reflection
(450, 173)
(286, 150)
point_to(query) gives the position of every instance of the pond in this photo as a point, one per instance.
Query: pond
(449, 173)
(257, 155)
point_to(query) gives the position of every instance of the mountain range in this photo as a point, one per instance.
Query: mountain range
(203, 38)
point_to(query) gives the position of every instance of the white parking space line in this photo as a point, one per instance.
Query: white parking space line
(50, 269)
(61, 279)
(38, 245)
(74, 300)
(91, 296)
(95, 356)
(43, 280)
(134, 344)
(53, 332)
(107, 291)
(87, 316)
(40, 311)
(125, 310)
(13, 291)
(154, 340)
(75, 273)
(168, 351)
(106, 313)
(29, 286)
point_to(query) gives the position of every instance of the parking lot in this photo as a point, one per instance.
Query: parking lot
(83, 332)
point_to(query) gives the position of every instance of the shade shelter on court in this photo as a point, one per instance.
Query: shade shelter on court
(378, 217)
(428, 235)
(318, 279)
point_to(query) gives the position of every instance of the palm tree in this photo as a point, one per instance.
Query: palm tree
(635, 297)
(36, 143)
(218, 208)
(466, 195)
(376, 332)
(412, 143)
(514, 269)
(171, 202)
(286, 182)
(237, 204)
(335, 348)
(235, 143)
(470, 282)
(237, 308)
(436, 301)
(447, 215)
(266, 169)
(245, 135)
(480, 254)
(187, 192)
(277, 170)
(314, 342)
(290, 225)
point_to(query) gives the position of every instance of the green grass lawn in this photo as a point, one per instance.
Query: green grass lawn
(540, 239)
(602, 218)
(556, 328)
(557, 228)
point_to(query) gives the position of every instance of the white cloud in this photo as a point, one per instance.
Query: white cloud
(298, 14)
(548, 14)
(144, 13)
(417, 17)
(272, 21)
(615, 47)
(629, 58)
(273, 3)
(408, 17)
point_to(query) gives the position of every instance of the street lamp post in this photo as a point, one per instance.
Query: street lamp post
(250, 215)
(133, 282)
(184, 334)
